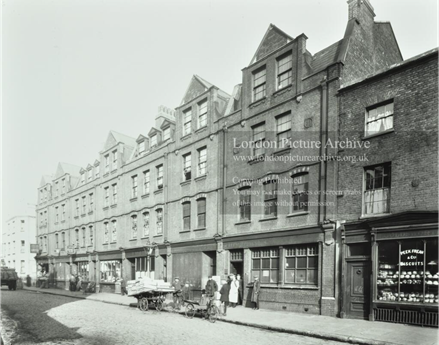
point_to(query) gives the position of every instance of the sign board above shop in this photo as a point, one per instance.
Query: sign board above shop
(412, 258)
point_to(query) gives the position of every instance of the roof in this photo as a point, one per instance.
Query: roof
(327, 56)
(45, 179)
(122, 138)
(198, 86)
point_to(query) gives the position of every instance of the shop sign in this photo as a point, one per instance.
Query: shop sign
(412, 257)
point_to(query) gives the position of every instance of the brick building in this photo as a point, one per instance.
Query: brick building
(225, 183)
(389, 202)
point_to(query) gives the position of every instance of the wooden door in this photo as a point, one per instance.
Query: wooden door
(358, 290)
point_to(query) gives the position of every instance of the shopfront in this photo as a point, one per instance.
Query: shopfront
(391, 269)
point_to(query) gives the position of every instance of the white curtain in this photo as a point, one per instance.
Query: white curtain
(376, 201)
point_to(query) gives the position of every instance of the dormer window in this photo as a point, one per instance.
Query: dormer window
(202, 114)
(114, 160)
(97, 171)
(107, 163)
(90, 174)
(154, 140)
(63, 185)
(142, 147)
(167, 133)
(82, 180)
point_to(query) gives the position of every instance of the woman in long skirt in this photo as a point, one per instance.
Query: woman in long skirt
(233, 294)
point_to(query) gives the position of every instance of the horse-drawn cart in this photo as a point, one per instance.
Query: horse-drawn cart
(149, 292)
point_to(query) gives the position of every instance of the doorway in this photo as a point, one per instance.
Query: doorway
(357, 289)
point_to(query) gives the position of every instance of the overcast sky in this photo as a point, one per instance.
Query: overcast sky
(73, 70)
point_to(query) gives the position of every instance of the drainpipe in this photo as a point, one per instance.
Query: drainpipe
(323, 152)
(224, 180)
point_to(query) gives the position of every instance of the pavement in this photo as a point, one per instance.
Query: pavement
(317, 326)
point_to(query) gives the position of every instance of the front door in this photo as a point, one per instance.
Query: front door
(357, 290)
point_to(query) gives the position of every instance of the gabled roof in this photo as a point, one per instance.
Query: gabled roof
(96, 163)
(199, 85)
(273, 39)
(166, 123)
(153, 131)
(114, 137)
(236, 96)
(89, 166)
(141, 138)
(45, 179)
(66, 168)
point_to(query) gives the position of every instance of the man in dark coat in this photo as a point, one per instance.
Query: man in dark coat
(177, 295)
(256, 292)
(225, 289)
(211, 287)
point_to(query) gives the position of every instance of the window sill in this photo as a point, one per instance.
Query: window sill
(114, 206)
(199, 178)
(184, 231)
(282, 90)
(365, 216)
(377, 134)
(158, 191)
(243, 222)
(82, 215)
(256, 159)
(145, 196)
(201, 129)
(133, 199)
(56, 223)
(186, 136)
(184, 183)
(199, 229)
(258, 102)
(296, 214)
(114, 171)
(105, 208)
(113, 242)
(106, 174)
(91, 212)
(282, 151)
(133, 239)
(159, 235)
(145, 238)
(268, 218)
(63, 221)
(105, 244)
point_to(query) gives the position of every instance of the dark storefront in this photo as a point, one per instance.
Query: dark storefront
(390, 269)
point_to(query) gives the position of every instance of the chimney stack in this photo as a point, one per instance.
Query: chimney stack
(361, 10)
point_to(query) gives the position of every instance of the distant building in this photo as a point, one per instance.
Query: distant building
(17, 235)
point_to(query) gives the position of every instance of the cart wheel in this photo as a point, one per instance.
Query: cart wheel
(190, 310)
(213, 313)
(159, 304)
(143, 304)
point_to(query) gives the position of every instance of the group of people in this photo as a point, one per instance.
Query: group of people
(231, 292)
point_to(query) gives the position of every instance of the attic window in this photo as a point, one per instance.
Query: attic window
(154, 140)
(167, 133)
(202, 114)
(142, 146)
(259, 84)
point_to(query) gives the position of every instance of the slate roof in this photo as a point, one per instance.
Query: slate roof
(327, 56)
(122, 138)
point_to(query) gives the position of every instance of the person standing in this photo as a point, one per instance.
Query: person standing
(225, 290)
(177, 295)
(72, 283)
(211, 287)
(79, 283)
(123, 287)
(256, 293)
(233, 294)
(240, 289)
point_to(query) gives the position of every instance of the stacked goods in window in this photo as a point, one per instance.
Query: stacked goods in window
(431, 278)
(387, 282)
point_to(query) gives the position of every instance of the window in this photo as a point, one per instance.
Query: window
(265, 264)
(284, 71)
(56, 241)
(245, 204)
(84, 205)
(283, 126)
(202, 114)
(146, 182)
(114, 193)
(134, 186)
(154, 140)
(301, 263)
(167, 133)
(22, 267)
(83, 237)
(83, 270)
(201, 213)
(110, 271)
(91, 198)
(379, 119)
(202, 161)
(114, 167)
(142, 146)
(77, 238)
(90, 229)
(300, 193)
(186, 215)
(107, 164)
(258, 139)
(187, 173)
(90, 175)
(57, 189)
(63, 185)
(63, 214)
(377, 189)
(22, 247)
(97, 171)
(106, 232)
(270, 199)
(82, 180)
(187, 122)
(63, 240)
(159, 215)
(159, 176)
(134, 226)
(141, 265)
(145, 224)
(259, 84)
(107, 196)
(114, 231)
(56, 215)
(77, 207)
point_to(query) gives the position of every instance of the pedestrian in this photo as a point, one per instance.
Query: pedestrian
(72, 283)
(123, 287)
(43, 280)
(240, 289)
(28, 281)
(79, 283)
(225, 290)
(186, 291)
(233, 294)
(211, 287)
(177, 295)
(256, 293)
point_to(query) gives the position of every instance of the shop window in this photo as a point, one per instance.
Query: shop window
(245, 204)
(301, 265)
(265, 264)
(408, 271)
(300, 193)
(110, 271)
(379, 119)
(84, 270)
(270, 199)
(377, 189)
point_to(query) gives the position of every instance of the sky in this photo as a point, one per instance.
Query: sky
(73, 70)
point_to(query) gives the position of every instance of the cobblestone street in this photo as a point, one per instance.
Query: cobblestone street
(88, 322)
